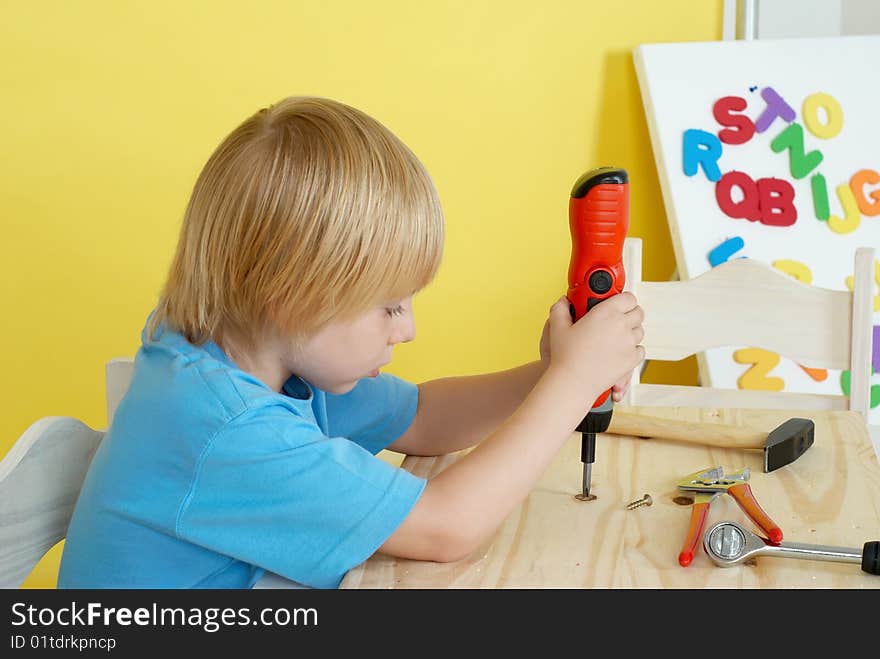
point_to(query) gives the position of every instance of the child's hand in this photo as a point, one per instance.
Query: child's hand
(599, 351)
(619, 389)
(544, 345)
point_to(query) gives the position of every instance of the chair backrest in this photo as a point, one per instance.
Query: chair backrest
(118, 374)
(40, 480)
(744, 302)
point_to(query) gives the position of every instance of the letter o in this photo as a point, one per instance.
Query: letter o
(834, 113)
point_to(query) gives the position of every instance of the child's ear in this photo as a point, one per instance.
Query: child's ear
(274, 321)
(277, 317)
(272, 314)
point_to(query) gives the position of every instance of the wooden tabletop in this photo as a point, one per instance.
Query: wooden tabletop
(829, 496)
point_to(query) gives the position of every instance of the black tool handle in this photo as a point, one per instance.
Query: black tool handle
(871, 557)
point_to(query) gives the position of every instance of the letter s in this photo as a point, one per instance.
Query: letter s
(724, 112)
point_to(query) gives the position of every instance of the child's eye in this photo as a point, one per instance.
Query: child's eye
(396, 311)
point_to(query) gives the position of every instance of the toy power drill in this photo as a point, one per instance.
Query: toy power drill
(598, 216)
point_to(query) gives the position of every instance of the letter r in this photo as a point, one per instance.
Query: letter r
(701, 148)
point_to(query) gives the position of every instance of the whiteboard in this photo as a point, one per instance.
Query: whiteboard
(826, 89)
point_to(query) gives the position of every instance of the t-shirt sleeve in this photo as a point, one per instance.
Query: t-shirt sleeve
(274, 491)
(375, 413)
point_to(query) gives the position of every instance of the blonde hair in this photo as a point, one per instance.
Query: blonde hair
(310, 211)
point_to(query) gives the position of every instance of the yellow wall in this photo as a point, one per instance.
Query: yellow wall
(110, 109)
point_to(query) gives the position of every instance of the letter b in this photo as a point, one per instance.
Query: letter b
(777, 202)
(768, 200)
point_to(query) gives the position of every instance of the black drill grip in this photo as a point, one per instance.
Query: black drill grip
(588, 448)
(871, 557)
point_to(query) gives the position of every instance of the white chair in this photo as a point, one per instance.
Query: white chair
(744, 302)
(40, 480)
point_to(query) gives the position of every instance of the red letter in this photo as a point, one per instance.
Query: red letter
(777, 195)
(749, 207)
(724, 114)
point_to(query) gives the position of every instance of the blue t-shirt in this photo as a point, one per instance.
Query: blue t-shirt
(207, 478)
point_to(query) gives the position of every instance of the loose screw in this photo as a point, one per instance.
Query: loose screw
(644, 501)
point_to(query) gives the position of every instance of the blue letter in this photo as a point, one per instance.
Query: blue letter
(701, 148)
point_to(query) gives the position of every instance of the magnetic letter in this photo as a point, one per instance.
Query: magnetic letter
(820, 197)
(725, 250)
(756, 377)
(851, 218)
(701, 148)
(875, 358)
(776, 107)
(776, 200)
(724, 111)
(796, 269)
(857, 183)
(875, 388)
(800, 162)
(817, 374)
(850, 284)
(749, 207)
(833, 112)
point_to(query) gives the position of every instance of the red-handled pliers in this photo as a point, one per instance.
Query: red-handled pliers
(706, 485)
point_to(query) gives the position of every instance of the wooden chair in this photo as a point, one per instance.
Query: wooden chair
(40, 480)
(744, 302)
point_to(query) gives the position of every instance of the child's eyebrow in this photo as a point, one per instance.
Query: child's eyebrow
(397, 301)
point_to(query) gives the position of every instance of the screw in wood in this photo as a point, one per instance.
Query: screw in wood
(644, 501)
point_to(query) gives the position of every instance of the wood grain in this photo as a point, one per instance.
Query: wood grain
(731, 305)
(744, 302)
(645, 422)
(829, 496)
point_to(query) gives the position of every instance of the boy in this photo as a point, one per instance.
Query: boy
(246, 442)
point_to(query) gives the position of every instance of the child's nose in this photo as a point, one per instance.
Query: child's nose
(405, 331)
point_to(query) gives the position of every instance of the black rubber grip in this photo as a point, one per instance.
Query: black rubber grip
(871, 557)
(588, 180)
(588, 447)
(596, 422)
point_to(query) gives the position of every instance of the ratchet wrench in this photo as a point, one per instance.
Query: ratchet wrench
(729, 543)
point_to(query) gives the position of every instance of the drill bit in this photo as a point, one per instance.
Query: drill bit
(588, 457)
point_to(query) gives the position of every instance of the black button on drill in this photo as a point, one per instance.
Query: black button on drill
(601, 281)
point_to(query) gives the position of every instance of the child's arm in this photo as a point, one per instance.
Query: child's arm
(464, 504)
(457, 412)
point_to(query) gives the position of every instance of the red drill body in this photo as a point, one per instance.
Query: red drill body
(598, 216)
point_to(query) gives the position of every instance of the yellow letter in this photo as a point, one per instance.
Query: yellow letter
(851, 217)
(833, 112)
(764, 361)
(850, 284)
(796, 269)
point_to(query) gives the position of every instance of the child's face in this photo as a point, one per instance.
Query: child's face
(341, 353)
